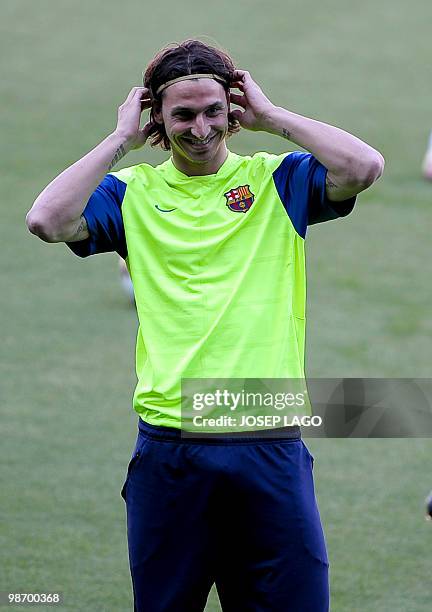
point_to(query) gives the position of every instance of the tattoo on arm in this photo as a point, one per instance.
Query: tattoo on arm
(117, 156)
(286, 134)
(81, 231)
(330, 184)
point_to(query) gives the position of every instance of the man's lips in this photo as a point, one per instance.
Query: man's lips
(199, 143)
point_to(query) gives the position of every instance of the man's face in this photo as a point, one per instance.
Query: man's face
(195, 115)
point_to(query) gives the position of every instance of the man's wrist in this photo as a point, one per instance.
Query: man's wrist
(119, 139)
(277, 122)
(120, 147)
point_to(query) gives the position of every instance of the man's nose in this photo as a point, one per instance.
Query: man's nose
(200, 128)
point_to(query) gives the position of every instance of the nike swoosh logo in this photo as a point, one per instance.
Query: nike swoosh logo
(165, 209)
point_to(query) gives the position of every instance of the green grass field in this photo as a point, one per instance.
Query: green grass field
(67, 350)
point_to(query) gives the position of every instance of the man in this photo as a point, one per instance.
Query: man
(214, 243)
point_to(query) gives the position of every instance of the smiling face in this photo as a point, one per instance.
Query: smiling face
(195, 115)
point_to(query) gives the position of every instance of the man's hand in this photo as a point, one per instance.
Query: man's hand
(257, 107)
(129, 118)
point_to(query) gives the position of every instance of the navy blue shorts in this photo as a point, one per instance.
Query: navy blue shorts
(239, 512)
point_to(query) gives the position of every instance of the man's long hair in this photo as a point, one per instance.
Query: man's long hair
(189, 57)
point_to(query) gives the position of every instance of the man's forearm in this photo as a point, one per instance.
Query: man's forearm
(56, 213)
(346, 157)
(62, 202)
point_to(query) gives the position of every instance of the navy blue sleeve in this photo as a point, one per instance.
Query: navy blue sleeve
(300, 181)
(104, 220)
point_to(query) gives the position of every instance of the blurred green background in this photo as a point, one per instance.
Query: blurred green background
(67, 351)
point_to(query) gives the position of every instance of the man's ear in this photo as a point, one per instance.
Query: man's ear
(157, 113)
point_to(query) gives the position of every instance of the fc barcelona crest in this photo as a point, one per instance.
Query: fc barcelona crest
(239, 199)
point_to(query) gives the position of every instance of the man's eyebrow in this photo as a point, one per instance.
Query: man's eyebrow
(187, 109)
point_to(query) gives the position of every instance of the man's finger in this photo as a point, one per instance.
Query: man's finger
(145, 103)
(131, 94)
(237, 114)
(134, 92)
(146, 128)
(237, 99)
(237, 85)
(240, 75)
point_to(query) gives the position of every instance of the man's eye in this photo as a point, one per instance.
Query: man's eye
(213, 111)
